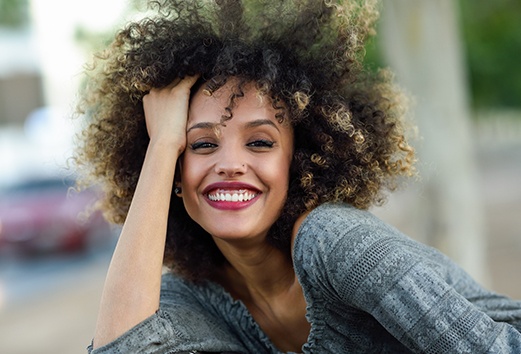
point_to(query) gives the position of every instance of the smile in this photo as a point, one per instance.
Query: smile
(241, 195)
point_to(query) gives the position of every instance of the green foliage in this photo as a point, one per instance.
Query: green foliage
(373, 56)
(492, 36)
(14, 13)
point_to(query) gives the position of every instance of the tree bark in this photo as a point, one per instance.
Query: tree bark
(420, 41)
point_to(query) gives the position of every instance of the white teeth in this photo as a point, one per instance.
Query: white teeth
(232, 196)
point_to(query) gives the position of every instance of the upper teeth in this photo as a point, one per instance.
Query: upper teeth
(231, 196)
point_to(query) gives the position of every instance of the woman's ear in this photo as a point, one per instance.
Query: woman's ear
(177, 190)
(177, 178)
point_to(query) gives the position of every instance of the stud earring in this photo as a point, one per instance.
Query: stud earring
(177, 190)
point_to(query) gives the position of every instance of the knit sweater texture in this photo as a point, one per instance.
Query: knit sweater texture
(368, 289)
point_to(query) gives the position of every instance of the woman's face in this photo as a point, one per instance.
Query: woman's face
(234, 177)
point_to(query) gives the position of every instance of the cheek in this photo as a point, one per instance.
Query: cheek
(189, 180)
(191, 173)
(277, 171)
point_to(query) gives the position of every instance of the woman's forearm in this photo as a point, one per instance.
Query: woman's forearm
(133, 284)
(132, 287)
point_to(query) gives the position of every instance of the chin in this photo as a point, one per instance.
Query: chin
(232, 235)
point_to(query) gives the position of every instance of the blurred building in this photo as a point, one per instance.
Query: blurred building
(44, 46)
(41, 54)
(21, 88)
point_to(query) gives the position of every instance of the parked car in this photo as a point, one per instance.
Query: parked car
(45, 214)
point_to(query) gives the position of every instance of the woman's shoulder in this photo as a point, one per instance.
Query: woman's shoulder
(338, 230)
(344, 213)
(338, 239)
(334, 222)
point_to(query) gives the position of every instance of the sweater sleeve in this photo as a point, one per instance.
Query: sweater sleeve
(153, 334)
(412, 290)
(182, 324)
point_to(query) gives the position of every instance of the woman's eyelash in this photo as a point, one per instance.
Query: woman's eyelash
(202, 145)
(261, 143)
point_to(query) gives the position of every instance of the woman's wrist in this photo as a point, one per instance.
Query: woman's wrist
(167, 146)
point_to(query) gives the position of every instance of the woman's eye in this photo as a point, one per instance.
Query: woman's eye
(202, 145)
(261, 143)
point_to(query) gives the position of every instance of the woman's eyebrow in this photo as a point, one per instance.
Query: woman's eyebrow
(259, 122)
(202, 125)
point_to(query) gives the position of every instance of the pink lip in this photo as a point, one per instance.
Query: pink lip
(226, 205)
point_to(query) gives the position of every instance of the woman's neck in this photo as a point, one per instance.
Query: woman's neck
(263, 278)
(256, 270)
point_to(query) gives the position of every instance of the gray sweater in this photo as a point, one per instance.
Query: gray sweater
(369, 289)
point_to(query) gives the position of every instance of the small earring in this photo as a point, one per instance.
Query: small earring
(177, 190)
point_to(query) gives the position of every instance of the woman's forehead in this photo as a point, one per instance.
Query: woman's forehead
(241, 101)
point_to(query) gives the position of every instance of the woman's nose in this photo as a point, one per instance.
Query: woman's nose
(230, 163)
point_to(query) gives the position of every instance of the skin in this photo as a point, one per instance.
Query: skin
(248, 157)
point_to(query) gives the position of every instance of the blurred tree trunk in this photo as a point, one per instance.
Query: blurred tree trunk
(420, 40)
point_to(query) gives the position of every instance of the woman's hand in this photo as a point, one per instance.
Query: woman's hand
(166, 112)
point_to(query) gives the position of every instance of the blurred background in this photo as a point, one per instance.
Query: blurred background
(458, 59)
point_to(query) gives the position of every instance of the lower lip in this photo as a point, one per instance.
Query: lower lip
(225, 205)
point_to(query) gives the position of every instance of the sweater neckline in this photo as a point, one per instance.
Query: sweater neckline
(236, 309)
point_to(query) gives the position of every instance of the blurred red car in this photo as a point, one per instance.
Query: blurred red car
(46, 215)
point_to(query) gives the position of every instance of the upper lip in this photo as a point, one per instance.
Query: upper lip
(229, 186)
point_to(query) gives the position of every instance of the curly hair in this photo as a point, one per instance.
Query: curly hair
(305, 56)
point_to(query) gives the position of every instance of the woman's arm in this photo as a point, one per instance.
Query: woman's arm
(132, 286)
(417, 294)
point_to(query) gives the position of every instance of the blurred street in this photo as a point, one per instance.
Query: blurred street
(49, 304)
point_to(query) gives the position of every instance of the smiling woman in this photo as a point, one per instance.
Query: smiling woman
(246, 158)
(240, 143)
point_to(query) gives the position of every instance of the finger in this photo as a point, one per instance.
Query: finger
(189, 81)
(174, 83)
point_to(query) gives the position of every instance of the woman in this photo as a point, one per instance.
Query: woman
(240, 146)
